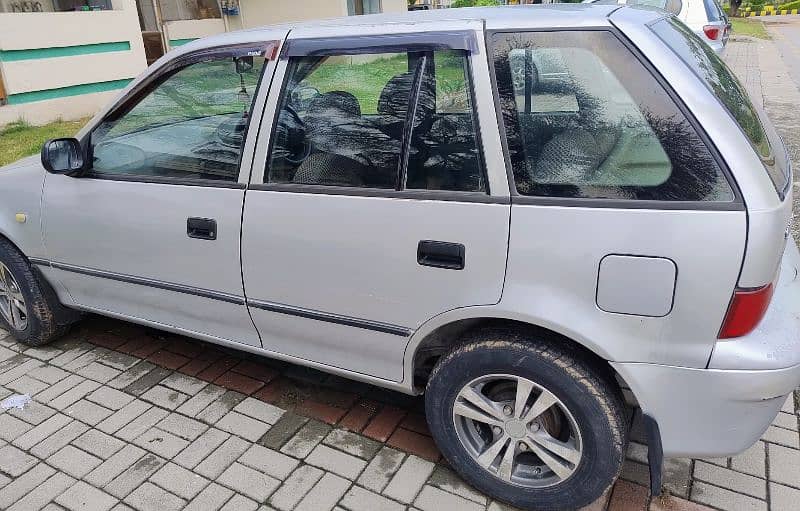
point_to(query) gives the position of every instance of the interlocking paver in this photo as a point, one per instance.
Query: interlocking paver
(325, 494)
(179, 481)
(44, 493)
(49, 374)
(123, 416)
(268, 461)
(33, 413)
(753, 461)
(42, 431)
(782, 436)
(409, 479)
(165, 397)
(786, 421)
(359, 499)
(98, 443)
(85, 497)
(725, 499)
(222, 457)
(59, 439)
(784, 465)
(26, 385)
(98, 372)
(22, 484)
(381, 469)
(88, 412)
(259, 410)
(252, 483)
(198, 402)
(200, 448)
(182, 383)
(59, 388)
(11, 427)
(731, 480)
(352, 443)
(160, 442)
(110, 398)
(306, 439)
(434, 499)
(240, 503)
(237, 424)
(149, 497)
(445, 479)
(115, 465)
(15, 462)
(295, 487)
(783, 498)
(140, 424)
(338, 462)
(74, 461)
(220, 407)
(75, 393)
(134, 476)
(211, 498)
(184, 427)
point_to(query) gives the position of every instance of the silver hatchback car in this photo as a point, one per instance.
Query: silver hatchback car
(531, 215)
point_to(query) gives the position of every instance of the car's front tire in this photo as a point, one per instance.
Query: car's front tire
(28, 309)
(526, 421)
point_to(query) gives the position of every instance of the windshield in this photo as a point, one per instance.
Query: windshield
(715, 74)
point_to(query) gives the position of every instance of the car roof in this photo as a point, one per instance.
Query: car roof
(518, 16)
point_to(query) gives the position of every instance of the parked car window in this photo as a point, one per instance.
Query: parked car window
(585, 119)
(715, 74)
(191, 125)
(343, 122)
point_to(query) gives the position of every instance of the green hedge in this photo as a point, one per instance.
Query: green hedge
(789, 6)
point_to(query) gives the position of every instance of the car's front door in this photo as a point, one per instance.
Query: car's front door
(150, 231)
(374, 212)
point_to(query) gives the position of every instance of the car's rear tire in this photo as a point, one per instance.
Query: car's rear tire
(28, 308)
(473, 408)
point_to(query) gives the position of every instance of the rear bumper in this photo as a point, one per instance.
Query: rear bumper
(723, 409)
(709, 412)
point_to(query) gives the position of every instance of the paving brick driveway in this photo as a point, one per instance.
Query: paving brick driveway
(125, 417)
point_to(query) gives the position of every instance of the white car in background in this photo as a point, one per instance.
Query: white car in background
(705, 17)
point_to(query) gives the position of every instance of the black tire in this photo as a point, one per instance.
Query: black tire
(590, 395)
(43, 325)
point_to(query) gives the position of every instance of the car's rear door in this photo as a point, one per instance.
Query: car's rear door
(150, 232)
(371, 209)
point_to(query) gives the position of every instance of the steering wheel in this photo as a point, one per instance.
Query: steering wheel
(295, 137)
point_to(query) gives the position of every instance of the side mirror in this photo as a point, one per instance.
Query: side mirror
(62, 156)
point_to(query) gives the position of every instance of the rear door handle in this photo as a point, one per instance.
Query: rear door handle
(201, 228)
(441, 254)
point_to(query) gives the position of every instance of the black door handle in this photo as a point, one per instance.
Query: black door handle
(440, 254)
(201, 228)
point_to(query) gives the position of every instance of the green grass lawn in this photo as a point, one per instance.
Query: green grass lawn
(20, 139)
(752, 28)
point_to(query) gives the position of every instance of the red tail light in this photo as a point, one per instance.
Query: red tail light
(711, 31)
(745, 312)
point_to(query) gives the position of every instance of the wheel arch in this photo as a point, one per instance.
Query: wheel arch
(440, 334)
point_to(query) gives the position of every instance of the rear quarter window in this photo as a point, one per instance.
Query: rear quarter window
(707, 65)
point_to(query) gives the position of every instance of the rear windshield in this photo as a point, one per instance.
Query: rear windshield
(713, 10)
(708, 66)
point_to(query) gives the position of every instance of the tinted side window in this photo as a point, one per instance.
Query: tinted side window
(191, 125)
(344, 121)
(717, 77)
(585, 119)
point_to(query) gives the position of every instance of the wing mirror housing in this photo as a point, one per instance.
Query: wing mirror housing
(63, 156)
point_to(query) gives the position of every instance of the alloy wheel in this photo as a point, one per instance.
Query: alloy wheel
(12, 303)
(517, 430)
